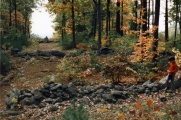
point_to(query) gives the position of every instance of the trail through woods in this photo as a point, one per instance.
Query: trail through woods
(30, 73)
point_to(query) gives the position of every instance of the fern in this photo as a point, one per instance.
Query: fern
(75, 113)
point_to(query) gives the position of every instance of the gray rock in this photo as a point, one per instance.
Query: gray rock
(28, 101)
(154, 89)
(57, 53)
(117, 93)
(146, 83)
(141, 90)
(53, 108)
(130, 88)
(14, 51)
(22, 54)
(177, 81)
(118, 87)
(11, 113)
(110, 85)
(163, 98)
(108, 98)
(49, 100)
(12, 99)
(104, 87)
(57, 86)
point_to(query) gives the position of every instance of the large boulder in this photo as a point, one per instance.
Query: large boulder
(177, 81)
(57, 53)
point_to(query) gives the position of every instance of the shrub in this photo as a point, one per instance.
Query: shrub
(75, 113)
(67, 43)
(5, 64)
(14, 40)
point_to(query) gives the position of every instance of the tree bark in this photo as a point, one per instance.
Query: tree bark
(108, 19)
(73, 25)
(15, 9)
(118, 19)
(156, 24)
(99, 22)
(144, 15)
(121, 31)
(10, 11)
(166, 21)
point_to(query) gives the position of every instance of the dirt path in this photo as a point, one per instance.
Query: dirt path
(32, 73)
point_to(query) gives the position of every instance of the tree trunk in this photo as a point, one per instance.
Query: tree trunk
(166, 21)
(121, 31)
(99, 22)
(73, 25)
(148, 15)
(108, 19)
(15, 9)
(153, 11)
(10, 11)
(176, 21)
(63, 25)
(136, 15)
(155, 42)
(144, 15)
(118, 19)
(180, 21)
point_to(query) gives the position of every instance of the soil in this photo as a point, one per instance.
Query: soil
(33, 73)
(30, 74)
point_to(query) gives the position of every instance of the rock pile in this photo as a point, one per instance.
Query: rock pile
(52, 93)
(56, 53)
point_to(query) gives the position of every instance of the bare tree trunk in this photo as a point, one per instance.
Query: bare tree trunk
(108, 19)
(136, 15)
(166, 22)
(99, 22)
(156, 23)
(180, 21)
(176, 21)
(73, 25)
(121, 31)
(63, 25)
(148, 15)
(118, 19)
(153, 10)
(144, 15)
(15, 9)
(10, 11)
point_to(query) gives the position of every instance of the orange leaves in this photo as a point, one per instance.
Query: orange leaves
(150, 103)
(138, 106)
(121, 116)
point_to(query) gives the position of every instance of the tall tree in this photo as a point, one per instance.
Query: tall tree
(149, 12)
(144, 15)
(99, 23)
(118, 18)
(121, 31)
(166, 21)
(73, 25)
(108, 18)
(15, 9)
(156, 24)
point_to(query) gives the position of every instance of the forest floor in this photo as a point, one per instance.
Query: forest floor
(34, 74)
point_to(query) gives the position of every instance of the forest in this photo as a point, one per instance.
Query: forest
(106, 60)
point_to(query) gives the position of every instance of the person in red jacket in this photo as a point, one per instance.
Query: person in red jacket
(173, 69)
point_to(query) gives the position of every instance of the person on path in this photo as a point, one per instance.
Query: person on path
(172, 70)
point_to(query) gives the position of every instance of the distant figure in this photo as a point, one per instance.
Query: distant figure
(172, 70)
(46, 39)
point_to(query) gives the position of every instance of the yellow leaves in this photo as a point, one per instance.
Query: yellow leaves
(14, 100)
(150, 103)
(102, 110)
(121, 116)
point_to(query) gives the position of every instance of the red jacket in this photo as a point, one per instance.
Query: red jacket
(173, 68)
